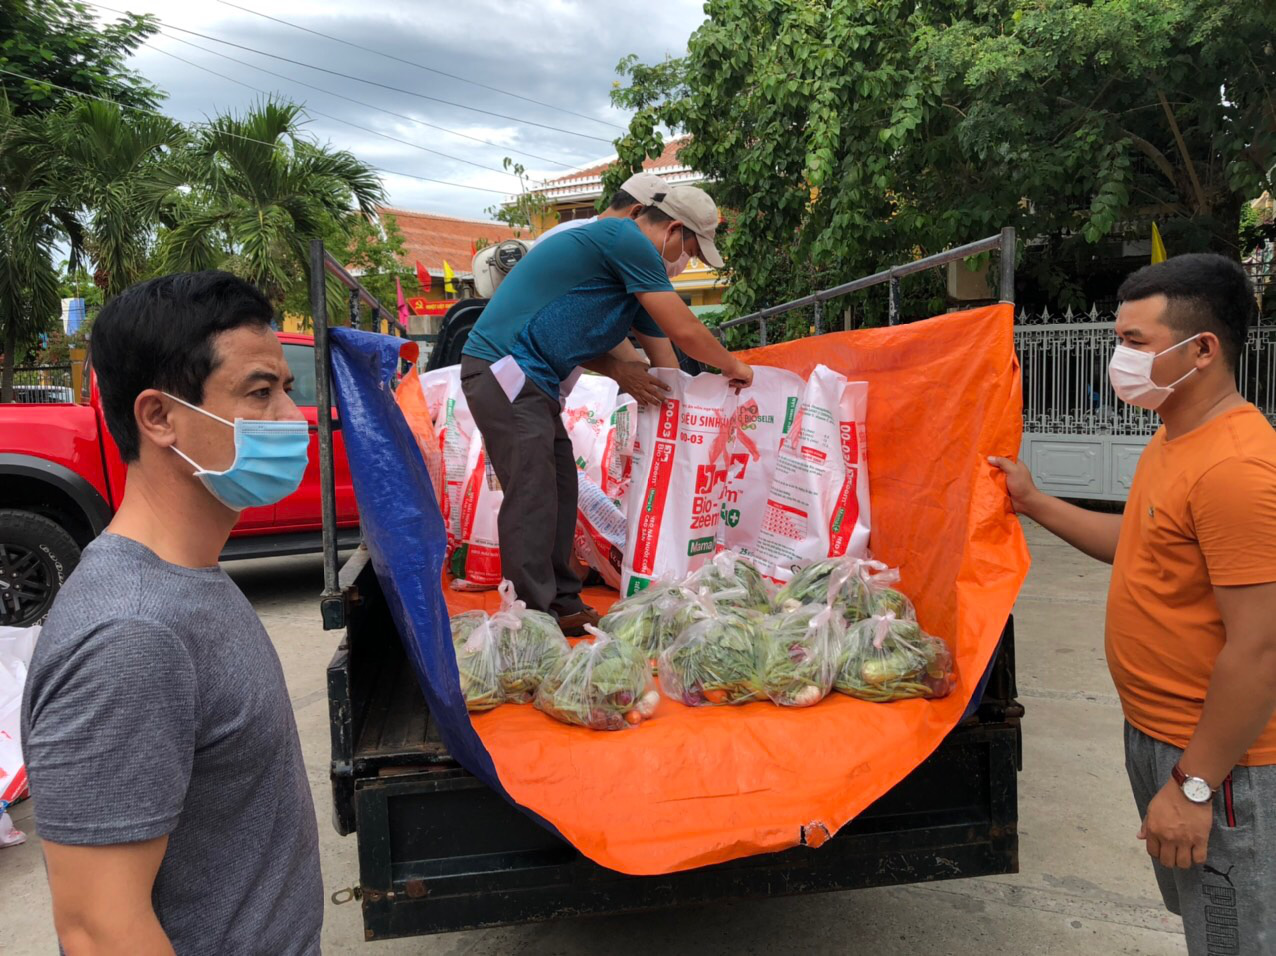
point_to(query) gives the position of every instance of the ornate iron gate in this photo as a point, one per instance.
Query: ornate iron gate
(1081, 441)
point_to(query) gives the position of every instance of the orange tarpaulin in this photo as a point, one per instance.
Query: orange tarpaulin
(695, 786)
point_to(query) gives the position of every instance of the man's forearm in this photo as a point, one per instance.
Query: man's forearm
(703, 346)
(624, 352)
(1092, 532)
(605, 364)
(1238, 706)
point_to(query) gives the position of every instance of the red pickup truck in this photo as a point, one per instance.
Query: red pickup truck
(61, 479)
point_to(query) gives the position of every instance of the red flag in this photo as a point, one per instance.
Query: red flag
(422, 277)
(403, 306)
(473, 249)
(418, 305)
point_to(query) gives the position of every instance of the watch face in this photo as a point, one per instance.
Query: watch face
(1197, 790)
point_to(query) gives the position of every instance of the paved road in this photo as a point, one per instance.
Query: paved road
(1085, 885)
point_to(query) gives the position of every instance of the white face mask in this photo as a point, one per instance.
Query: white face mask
(1130, 373)
(678, 266)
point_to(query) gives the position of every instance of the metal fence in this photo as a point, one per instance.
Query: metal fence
(1065, 375)
(42, 384)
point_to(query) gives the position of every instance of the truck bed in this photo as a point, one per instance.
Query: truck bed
(439, 851)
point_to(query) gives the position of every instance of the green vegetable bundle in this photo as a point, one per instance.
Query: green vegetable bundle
(886, 658)
(860, 588)
(716, 660)
(728, 571)
(478, 660)
(530, 645)
(601, 684)
(636, 620)
(801, 658)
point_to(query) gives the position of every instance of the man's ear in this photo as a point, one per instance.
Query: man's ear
(635, 211)
(152, 411)
(1209, 349)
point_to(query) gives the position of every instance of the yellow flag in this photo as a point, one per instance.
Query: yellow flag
(448, 276)
(1158, 247)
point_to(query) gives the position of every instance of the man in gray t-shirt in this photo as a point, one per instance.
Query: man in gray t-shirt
(160, 742)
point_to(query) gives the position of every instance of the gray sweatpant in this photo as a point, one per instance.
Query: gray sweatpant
(1228, 905)
(532, 456)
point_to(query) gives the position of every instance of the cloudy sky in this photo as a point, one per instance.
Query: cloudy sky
(562, 53)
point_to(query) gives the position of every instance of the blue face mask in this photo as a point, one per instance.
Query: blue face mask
(270, 460)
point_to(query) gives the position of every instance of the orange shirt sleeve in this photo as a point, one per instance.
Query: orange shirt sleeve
(1233, 509)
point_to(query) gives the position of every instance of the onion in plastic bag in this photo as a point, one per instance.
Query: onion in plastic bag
(886, 658)
(602, 684)
(802, 651)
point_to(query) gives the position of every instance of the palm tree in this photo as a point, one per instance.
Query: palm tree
(118, 169)
(261, 193)
(29, 229)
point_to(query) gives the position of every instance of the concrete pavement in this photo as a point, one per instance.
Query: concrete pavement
(1086, 886)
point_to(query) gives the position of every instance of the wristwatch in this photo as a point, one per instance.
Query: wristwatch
(1194, 788)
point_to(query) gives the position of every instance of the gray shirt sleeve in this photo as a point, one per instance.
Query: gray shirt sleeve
(110, 736)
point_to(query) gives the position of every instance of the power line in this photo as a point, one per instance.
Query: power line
(419, 66)
(357, 79)
(337, 119)
(249, 139)
(363, 103)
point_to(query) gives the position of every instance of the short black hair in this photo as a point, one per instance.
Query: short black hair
(159, 334)
(622, 200)
(655, 215)
(1206, 293)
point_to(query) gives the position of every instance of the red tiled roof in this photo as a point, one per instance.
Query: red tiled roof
(431, 238)
(666, 159)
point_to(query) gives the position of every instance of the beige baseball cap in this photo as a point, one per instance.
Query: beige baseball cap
(644, 187)
(694, 209)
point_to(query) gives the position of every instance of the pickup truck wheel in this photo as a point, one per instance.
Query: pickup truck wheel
(36, 558)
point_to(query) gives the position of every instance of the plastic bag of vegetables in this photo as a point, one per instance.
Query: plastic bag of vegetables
(602, 684)
(636, 620)
(715, 660)
(886, 658)
(729, 571)
(802, 648)
(860, 587)
(530, 645)
(478, 660)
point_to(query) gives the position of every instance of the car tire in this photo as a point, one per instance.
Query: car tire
(37, 555)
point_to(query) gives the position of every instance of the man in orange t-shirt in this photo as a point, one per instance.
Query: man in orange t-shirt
(1191, 619)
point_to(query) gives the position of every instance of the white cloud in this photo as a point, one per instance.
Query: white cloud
(560, 52)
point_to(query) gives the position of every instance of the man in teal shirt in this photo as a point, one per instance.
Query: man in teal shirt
(573, 298)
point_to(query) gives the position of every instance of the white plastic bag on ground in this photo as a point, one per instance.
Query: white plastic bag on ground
(16, 647)
(679, 477)
(476, 562)
(600, 531)
(764, 413)
(456, 431)
(817, 506)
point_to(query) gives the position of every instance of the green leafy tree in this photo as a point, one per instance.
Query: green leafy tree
(529, 207)
(57, 43)
(117, 168)
(260, 193)
(29, 231)
(846, 134)
(372, 250)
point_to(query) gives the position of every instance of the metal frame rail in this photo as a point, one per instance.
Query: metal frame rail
(1004, 243)
(322, 264)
